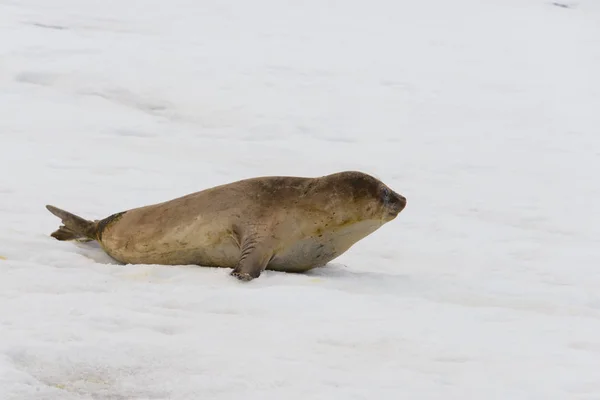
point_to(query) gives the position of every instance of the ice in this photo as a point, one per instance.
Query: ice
(483, 114)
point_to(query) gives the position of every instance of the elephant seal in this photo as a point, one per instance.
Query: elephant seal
(280, 223)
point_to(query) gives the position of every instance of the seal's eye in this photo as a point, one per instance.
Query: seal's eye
(385, 194)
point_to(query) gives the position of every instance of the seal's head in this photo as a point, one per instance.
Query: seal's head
(371, 198)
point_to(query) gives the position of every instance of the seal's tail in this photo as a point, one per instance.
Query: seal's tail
(74, 228)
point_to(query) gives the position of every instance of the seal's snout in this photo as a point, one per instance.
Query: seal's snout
(397, 202)
(393, 201)
(401, 202)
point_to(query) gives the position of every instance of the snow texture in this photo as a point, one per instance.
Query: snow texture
(484, 114)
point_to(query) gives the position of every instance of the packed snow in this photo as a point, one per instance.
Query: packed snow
(484, 114)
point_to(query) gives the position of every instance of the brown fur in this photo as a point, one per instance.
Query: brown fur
(279, 223)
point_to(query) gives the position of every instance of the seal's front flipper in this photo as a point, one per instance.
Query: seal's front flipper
(254, 259)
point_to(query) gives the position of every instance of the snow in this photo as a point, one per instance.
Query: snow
(484, 114)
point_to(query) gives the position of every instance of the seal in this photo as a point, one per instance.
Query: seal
(280, 223)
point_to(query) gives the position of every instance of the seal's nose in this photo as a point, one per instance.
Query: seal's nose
(402, 201)
(398, 202)
(395, 203)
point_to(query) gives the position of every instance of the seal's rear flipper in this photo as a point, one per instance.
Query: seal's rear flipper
(74, 228)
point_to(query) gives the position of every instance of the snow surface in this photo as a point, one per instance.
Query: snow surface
(484, 114)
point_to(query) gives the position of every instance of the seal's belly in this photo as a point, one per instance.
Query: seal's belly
(315, 251)
(304, 255)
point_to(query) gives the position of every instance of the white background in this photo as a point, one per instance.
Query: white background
(484, 114)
